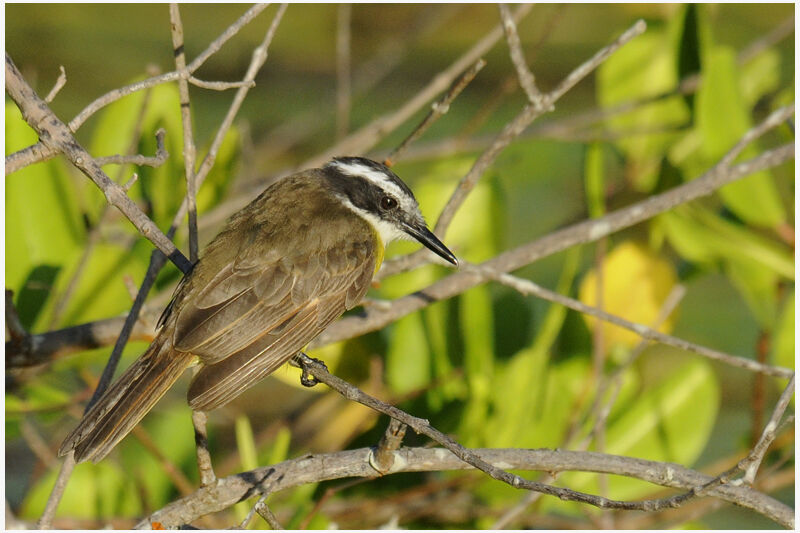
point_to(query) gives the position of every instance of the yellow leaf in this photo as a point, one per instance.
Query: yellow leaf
(635, 284)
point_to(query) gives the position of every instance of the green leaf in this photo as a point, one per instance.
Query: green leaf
(246, 443)
(755, 264)
(476, 326)
(43, 223)
(530, 398)
(408, 359)
(644, 67)
(701, 235)
(170, 427)
(100, 291)
(279, 447)
(94, 491)
(760, 76)
(670, 421)
(722, 118)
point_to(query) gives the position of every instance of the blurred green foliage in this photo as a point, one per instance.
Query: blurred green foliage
(490, 366)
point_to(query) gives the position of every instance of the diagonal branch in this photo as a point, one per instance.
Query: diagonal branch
(57, 136)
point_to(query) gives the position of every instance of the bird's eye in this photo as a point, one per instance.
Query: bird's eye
(387, 202)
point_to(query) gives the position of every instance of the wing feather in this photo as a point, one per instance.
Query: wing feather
(246, 322)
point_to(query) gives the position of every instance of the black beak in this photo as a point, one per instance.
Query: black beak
(427, 238)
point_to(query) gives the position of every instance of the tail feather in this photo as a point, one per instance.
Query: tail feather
(126, 402)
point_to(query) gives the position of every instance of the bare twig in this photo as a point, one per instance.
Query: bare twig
(264, 512)
(752, 462)
(383, 457)
(36, 443)
(438, 109)
(385, 58)
(600, 410)
(321, 374)
(172, 471)
(39, 348)
(60, 82)
(154, 161)
(220, 85)
(56, 135)
(207, 476)
(95, 235)
(526, 79)
(46, 520)
(256, 62)
(189, 151)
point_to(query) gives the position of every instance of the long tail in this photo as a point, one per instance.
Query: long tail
(126, 401)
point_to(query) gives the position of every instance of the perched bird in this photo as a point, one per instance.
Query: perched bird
(278, 273)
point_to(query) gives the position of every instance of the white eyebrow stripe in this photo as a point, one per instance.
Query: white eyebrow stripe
(370, 174)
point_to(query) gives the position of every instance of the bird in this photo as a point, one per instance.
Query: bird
(280, 270)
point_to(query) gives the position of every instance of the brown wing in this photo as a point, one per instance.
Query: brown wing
(250, 318)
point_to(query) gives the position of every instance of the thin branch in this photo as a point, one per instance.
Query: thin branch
(528, 287)
(752, 462)
(39, 348)
(172, 471)
(526, 79)
(46, 520)
(56, 135)
(438, 109)
(199, 421)
(95, 234)
(321, 374)
(189, 150)
(264, 512)
(60, 82)
(383, 457)
(154, 161)
(220, 85)
(600, 410)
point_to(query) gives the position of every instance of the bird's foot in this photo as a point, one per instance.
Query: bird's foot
(301, 361)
